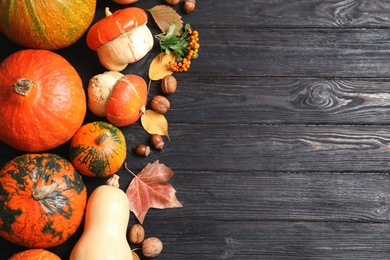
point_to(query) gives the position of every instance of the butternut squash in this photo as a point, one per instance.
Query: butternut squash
(106, 219)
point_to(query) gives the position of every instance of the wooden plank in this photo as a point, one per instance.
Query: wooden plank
(285, 148)
(210, 239)
(302, 13)
(282, 196)
(278, 51)
(256, 214)
(265, 100)
(251, 147)
(248, 52)
(277, 240)
(253, 52)
(293, 52)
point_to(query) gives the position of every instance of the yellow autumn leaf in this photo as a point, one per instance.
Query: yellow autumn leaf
(135, 256)
(159, 67)
(154, 123)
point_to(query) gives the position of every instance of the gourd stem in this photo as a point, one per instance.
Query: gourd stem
(44, 191)
(107, 11)
(113, 181)
(143, 109)
(23, 86)
(103, 137)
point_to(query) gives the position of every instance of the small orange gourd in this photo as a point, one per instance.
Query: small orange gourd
(98, 149)
(128, 98)
(35, 254)
(121, 37)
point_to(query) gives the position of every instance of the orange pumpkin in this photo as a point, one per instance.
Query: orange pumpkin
(98, 149)
(42, 200)
(127, 100)
(42, 100)
(35, 254)
(46, 24)
(121, 37)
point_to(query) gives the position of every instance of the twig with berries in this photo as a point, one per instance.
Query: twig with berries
(185, 46)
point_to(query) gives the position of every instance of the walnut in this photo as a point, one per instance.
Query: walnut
(136, 234)
(152, 247)
(168, 84)
(160, 104)
(172, 2)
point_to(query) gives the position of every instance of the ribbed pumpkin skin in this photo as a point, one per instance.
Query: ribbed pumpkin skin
(46, 24)
(45, 222)
(114, 25)
(35, 254)
(94, 158)
(51, 112)
(128, 97)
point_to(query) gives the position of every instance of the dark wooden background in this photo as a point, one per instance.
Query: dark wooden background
(280, 137)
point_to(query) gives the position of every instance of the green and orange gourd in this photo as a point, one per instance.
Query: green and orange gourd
(46, 24)
(42, 200)
(98, 149)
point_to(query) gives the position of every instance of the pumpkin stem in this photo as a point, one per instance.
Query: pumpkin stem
(107, 11)
(113, 181)
(103, 137)
(44, 191)
(23, 86)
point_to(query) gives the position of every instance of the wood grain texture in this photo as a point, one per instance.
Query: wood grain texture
(285, 148)
(294, 52)
(269, 100)
(279, 133)
(300, 13)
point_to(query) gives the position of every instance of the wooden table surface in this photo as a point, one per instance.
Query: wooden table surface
(279, 132)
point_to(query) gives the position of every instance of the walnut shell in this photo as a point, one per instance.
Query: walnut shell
(152, 247)
(160, 104)
(168, 84)
(136, 234)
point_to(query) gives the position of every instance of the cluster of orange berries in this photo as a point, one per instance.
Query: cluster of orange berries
(192, 52)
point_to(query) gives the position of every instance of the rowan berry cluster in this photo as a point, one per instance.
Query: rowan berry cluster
(192, 53)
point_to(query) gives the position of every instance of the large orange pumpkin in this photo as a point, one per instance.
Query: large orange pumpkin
(42, 200)
(35, 254)
(42, 100)
(46, 24)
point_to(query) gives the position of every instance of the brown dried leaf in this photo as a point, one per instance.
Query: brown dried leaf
(165, 16)
(154, 123)
(159, 67)
(149, 189)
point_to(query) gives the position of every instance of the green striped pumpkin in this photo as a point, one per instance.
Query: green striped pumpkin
(98, 149)
(46, 24)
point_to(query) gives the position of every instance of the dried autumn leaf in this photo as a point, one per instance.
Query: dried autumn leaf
(149, 189)
(154, 123)
(165, 16)
(135, 256)
(159, 67)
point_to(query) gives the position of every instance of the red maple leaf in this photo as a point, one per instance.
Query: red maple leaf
(149, 189)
